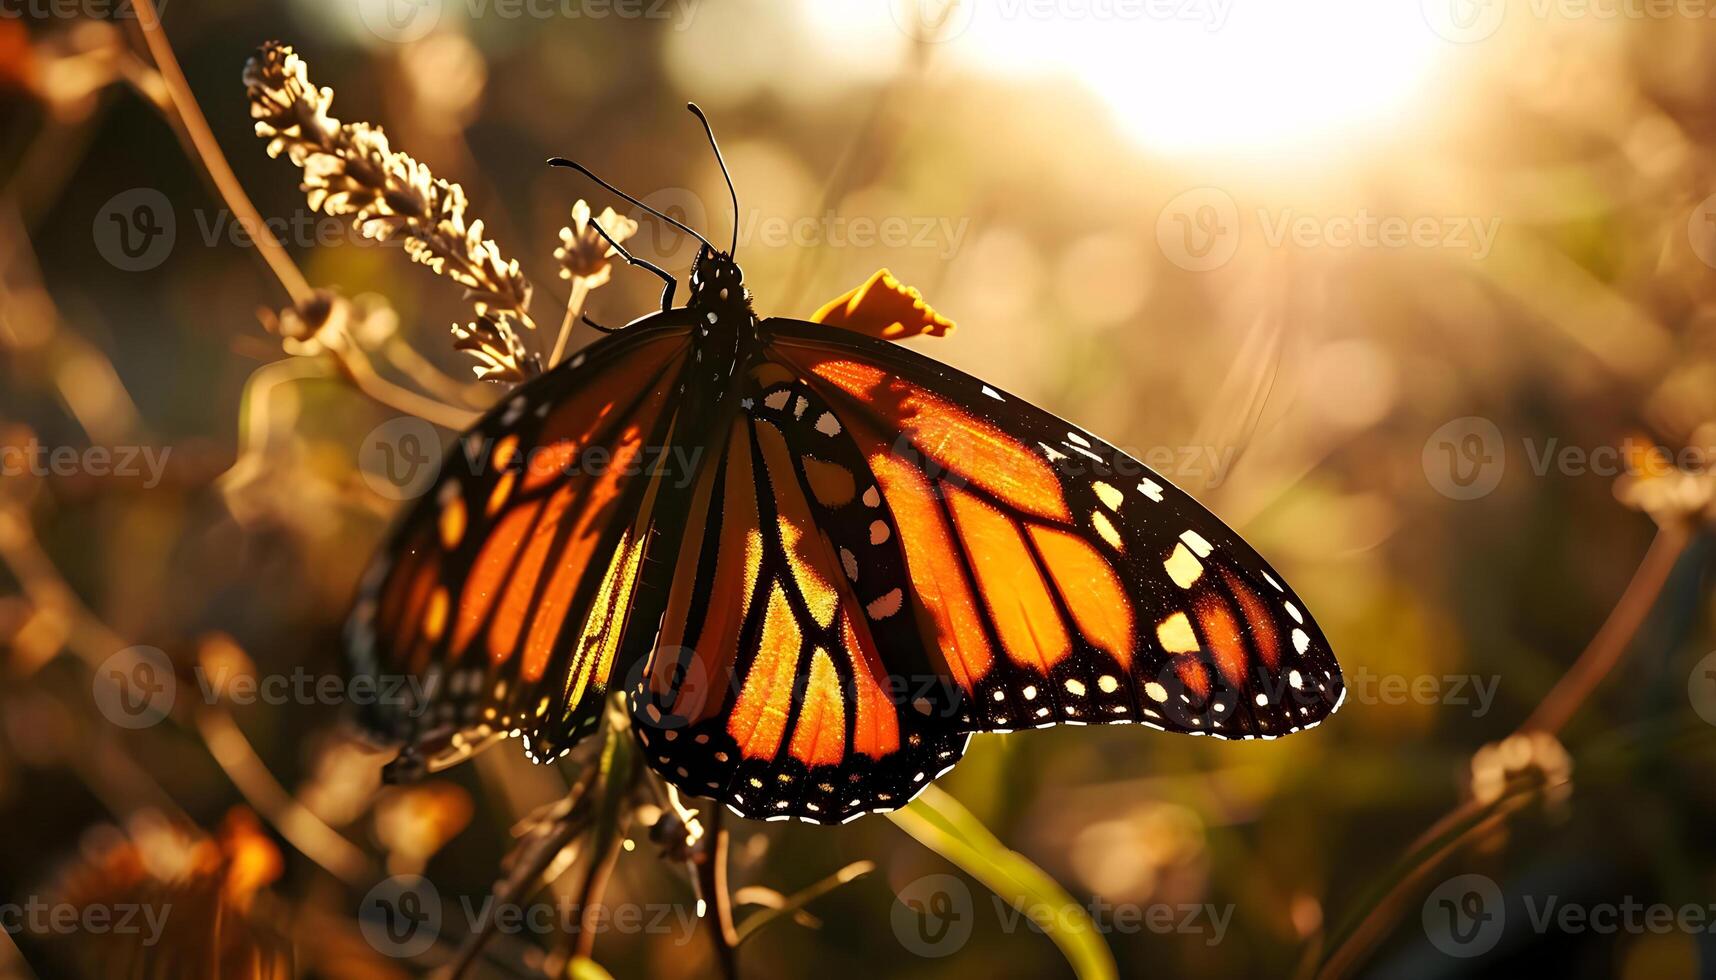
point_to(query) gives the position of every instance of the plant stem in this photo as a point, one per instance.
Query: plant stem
(196, 129)
(1616, 634)
(1600, 657)
(712, 882)
(361, 373)
(574, 306)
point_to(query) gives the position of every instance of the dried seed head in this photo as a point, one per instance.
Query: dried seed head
(351, 170)
(583, 254)
(496, 346)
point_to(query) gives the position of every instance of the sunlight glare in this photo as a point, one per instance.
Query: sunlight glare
(1199, 76)
(1218, 75)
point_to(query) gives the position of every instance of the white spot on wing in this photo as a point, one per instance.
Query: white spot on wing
(1196, 542)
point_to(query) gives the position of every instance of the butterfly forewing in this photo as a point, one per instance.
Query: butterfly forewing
(510, 582)
(1061, 580)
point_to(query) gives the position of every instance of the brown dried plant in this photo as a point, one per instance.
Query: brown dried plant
(351, 170)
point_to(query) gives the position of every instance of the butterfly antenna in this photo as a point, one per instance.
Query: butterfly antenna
(718, 159)
(563, 162)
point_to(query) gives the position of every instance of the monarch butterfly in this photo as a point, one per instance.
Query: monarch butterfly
(815, 563)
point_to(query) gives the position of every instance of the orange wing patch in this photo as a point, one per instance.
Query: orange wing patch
(493, 564)
(1222, 630)
(1263, 631)
(876, 726)
(954, 438)
(935, 571)
(759, 718)
(884, 307)
(1018, 598)
(1091, 590)
(819, 736)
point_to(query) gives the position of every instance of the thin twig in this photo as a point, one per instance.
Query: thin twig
(1377, 922)
(357, 367)
(798, 900)
(411, 362)
(521, 880)
(94, 641)
(590, 895)
(307, 832)
(207, 150)
(711, 866)
(1615, 636)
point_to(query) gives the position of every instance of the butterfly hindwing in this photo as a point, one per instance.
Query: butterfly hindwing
(1061, 580)
(507, 587)
(784, 682)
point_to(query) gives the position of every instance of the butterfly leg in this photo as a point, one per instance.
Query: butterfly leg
(593, 325)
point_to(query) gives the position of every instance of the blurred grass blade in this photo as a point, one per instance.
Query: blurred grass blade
(585, 968)
(940, 823)
(792, 905)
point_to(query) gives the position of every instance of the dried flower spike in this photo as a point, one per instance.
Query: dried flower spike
(500, 356)
(351, 170)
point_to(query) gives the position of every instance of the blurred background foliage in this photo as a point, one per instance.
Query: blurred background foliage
(1060, 180)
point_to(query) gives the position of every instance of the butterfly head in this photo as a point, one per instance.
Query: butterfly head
(718, 285)
(718, 290)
